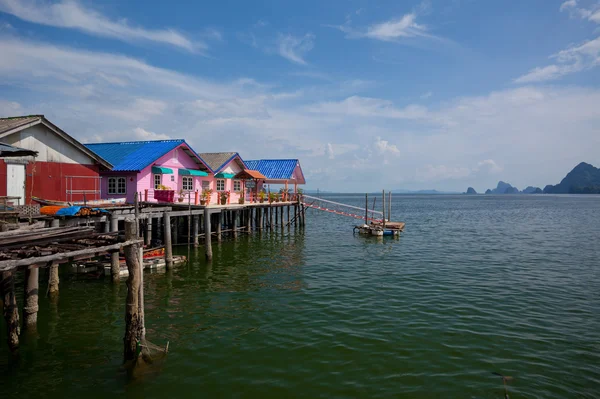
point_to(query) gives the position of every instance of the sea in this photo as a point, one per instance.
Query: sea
(480, 297)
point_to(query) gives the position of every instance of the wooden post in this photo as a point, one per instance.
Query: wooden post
(10, 309)
(383, 200)
(134, 322)
(53, 280)
(288, 216)
(259, 218)
(207, 236)
(115, 265)
(281, 217)
(271, 216)
(234, 223)
(366, 208)
(219, 225)
(176, 231)
(195, 222)
(249, 220)
(295, 214)
(107, 225)
(167, 236)
(149, 231)
(276, 209)
(30, 303)
(390, 206)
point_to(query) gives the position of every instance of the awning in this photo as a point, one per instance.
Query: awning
(161, 170)
(224, 175)
(248, 174)
(192, 172)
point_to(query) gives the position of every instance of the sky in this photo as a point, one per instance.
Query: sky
(367, 94)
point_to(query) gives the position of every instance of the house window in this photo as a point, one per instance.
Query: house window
(205, 185)
(188, 183)
(157, 182)
(117, 185)
(237, 185)
(221, 185)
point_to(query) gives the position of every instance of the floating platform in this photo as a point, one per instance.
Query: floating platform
(104, 266)
(378, 229)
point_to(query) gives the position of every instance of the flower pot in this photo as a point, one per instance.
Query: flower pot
(164, 195)
(241, 201)
(224, 201)
(180, 199)
(261, 200)
(202, 202)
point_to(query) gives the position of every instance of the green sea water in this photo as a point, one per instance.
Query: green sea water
(475, 285)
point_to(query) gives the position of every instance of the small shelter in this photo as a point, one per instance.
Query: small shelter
(63, 170)
(163, 166)
(279, 171)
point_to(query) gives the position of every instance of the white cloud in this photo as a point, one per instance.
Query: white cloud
(70, 14)
(374, 142)
(384, 147)
(370, 107)
(295, 48)
(405, 26)
(568, 4)
(573, 59)
(591, 14)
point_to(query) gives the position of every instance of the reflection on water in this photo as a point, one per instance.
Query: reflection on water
(475, 285)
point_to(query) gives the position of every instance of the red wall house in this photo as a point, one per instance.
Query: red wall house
(63, 170)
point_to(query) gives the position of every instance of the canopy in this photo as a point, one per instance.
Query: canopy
(248, 174)
(192, 172)
(224, 175)
(161, 170)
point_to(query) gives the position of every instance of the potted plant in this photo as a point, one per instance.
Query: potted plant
(224, 197)
(271, 198)
(285, 194)
(241, 194)
(300, 192)
(164, 194)
(181, 195)
(205, 197)
(277, 197)
(261, 196)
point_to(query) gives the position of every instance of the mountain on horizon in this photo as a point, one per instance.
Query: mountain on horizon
(583, 179)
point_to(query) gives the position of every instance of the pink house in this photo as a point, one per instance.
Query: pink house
(224, 165)
(147, 166)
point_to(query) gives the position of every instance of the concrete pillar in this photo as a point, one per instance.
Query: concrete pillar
(195, 228)
(30, 302)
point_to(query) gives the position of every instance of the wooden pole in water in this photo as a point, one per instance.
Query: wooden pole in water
(271, 216)
(140, 263)
(390, 206)
(249, 220)
(281, 209)
(167, 237)
(366, 208)
(234, 223)
(30, 305)
(53, 279)
(149, 231)
(134, 321)
(219, 225)
(383, 199)
(115, 266)
(176, 231)
(10, 310)
(207, 235)
(196, 223)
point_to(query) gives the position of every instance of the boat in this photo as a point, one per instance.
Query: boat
(96, 203)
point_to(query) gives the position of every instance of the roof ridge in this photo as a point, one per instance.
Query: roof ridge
(139, 141)
(21, 117)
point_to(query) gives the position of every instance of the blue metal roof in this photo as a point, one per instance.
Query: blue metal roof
(274, 169)
(133, 155)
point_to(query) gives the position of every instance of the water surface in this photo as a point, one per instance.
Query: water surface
(475, 285)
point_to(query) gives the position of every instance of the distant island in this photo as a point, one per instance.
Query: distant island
(583, 179)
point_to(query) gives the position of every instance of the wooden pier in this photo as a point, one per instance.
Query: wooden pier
(32, 242)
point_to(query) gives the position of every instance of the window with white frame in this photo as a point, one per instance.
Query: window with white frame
(237, 185)
(117, 185)
(157, 182)
(188, 183)
(221, 185)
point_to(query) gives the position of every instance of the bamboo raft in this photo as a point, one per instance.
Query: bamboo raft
(381, 227)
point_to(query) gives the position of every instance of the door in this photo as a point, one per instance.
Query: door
(15, 182)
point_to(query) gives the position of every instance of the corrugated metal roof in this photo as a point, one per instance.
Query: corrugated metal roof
(7, 124)
(217, 160)
(133, 155)
(274, 169)
(7, 150)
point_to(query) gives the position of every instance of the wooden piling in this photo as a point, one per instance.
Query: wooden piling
(219, 225)
(234, 215)
(134, 322)
(271, 217)
(30, 302)
(167, 240)
(10, 310)
(288, 216)
(115, 265)
(176, 231)
(281, 222)
(207, 235)
(248, 220)
(53, 280)
(149, 231)
(195, 228)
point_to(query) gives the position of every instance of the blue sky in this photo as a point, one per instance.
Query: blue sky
(367, 94)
